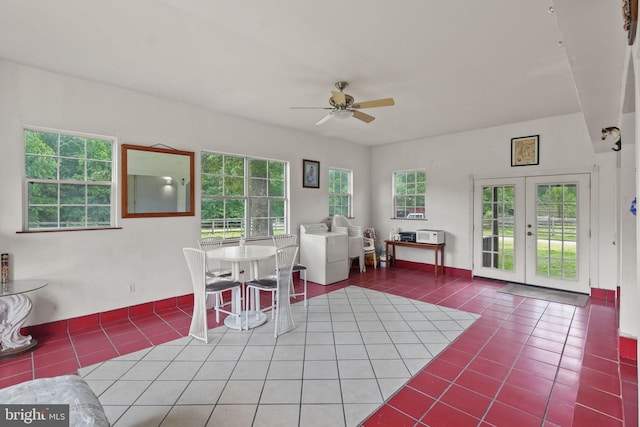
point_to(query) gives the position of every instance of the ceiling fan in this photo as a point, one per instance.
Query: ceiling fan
(344, 106)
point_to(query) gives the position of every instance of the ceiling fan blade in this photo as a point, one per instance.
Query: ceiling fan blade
(362, 116)
(386, 102)
(338, 97)
(311, 108)
(324, 119)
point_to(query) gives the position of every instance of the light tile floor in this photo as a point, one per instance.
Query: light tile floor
(351, 350)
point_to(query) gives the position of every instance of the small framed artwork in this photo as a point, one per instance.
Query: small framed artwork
(310, 174)
(525, 151)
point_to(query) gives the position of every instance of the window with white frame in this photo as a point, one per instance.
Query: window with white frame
(242, 196)
(409, 191)
(340, 192)
(68, 180)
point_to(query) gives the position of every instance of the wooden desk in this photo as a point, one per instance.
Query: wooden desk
(437, 248)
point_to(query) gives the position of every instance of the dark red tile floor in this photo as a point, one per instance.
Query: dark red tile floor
(524, 362)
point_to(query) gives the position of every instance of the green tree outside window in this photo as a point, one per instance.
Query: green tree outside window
(69, 181)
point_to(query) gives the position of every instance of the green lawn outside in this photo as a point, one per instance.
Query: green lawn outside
(550, 258)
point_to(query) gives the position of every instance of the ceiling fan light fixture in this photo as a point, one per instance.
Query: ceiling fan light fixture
(342, 114)
(343, 106)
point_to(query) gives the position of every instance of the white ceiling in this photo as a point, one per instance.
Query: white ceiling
(451, 66)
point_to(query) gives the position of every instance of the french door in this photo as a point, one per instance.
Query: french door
(533, 230)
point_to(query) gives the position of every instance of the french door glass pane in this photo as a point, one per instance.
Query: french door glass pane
(556, 208)
(497, 227)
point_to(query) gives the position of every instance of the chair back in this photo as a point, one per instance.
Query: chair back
(207, 243)
(355, 231)
(369, 244)
(285, 258)
(339, 221)
(338, 229)
(196, 264)
(351, 230)
(356, 243)
(282, 240)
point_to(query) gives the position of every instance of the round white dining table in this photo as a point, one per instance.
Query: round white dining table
(235, 255)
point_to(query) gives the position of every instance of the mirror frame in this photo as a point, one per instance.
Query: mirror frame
(124, 182)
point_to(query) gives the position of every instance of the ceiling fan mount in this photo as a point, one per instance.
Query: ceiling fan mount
(343, 106)
(341, 85)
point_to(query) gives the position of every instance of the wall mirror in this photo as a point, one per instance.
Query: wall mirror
(156, 182)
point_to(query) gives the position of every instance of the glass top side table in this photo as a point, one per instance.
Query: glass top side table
(15, 307)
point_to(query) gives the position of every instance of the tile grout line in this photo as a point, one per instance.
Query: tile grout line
(555, 377)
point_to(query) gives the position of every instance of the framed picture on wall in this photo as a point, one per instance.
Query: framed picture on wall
(310, 174)
(525, 150)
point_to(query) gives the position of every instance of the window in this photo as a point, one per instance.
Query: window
(69, 181)
(237, 191)
(409, 190)
(340, 190)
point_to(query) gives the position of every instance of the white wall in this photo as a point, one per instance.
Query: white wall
(90, 271)
(629, 317)
(452, 160)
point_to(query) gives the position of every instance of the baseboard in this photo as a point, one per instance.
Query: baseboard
(628, 349)
(98, 319)
(429, 268)
(607, 295)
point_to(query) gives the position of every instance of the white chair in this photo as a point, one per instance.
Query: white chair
(282, 240)
(339, 221)
(356, 243)
(202, 287)
(214, 269)
(355, 237)
(279, 287)
(370, 249)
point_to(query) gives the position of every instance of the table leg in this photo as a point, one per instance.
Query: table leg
(250, 315)
(254, 274)
(439, 259)
(14, 310)
(235, 271)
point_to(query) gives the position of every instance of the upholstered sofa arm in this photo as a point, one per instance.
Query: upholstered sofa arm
(84, 407)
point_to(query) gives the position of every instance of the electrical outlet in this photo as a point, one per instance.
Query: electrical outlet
(132, 288)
